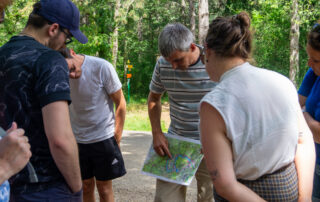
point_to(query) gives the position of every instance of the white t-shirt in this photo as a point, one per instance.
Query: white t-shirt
(260, 109)
(91, 111)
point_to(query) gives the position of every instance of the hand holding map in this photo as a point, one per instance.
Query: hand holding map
(180, 169)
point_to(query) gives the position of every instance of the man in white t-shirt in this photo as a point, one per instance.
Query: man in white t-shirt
(98, 129)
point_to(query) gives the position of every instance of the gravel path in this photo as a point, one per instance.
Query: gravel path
(135, 187)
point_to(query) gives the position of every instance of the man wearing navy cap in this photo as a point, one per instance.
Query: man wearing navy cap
(34, 92)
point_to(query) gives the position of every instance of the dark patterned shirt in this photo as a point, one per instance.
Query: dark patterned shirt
(32, 76)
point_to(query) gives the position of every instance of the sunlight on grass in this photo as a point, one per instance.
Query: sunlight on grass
(137, 118)
(137, 122)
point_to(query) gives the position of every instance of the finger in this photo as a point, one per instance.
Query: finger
(13, 127)
(28, 146)
(25, 138)
(28, 154)
(17, 132)
(166, 151)
(159, 151)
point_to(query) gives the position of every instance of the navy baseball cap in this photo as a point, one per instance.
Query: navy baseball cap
(64, 13)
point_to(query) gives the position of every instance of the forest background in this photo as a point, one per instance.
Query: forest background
(122, 30)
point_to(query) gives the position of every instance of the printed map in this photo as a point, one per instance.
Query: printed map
(181, 168)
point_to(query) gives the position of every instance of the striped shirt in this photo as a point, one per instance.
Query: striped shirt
(185, 89)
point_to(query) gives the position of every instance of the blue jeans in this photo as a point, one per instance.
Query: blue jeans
(59, 193)
(316, 184)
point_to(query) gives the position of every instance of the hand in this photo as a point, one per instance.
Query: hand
(14, 151)
(160, 145)
(118, 139)
(75, 73)
(313, 125)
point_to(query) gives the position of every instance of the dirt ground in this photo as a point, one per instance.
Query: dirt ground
(165, 114)
(134, 186)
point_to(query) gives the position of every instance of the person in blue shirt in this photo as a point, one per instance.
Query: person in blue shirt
(309, 98)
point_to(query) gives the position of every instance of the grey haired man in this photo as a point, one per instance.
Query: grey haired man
(181, 73)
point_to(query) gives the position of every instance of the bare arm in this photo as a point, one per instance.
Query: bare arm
(313, 124)
(62, 143)
(305, 160)
(120, 103)
(302, 100)
(218, 155)
(160, 143)
(14, 152)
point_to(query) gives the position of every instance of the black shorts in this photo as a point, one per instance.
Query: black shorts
(102, 160)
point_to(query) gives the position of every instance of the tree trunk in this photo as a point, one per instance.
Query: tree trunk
(203, 20)
(125, 58)
(192, 15)
(140, 28)
(183, 12)
(294, 42)
(2, 14)
(115, 35)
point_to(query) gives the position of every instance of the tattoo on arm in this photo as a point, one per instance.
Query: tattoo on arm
(214, 174)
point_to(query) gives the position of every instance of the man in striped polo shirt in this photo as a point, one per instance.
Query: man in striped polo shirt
(180, 73)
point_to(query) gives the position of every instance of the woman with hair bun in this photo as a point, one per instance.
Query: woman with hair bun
(309, 98)
(256, 143)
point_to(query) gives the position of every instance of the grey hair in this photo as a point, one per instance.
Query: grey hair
(174, 37)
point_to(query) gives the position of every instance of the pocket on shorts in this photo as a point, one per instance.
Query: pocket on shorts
(118, 167)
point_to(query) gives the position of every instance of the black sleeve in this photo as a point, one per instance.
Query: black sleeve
(52, 83)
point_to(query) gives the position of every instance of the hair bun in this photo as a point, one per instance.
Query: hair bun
(244, 19)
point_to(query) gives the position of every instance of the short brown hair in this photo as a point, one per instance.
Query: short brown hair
(230, 36)
(314, 37)
(35, 20)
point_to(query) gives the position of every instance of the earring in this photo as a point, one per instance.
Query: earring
(207, 60)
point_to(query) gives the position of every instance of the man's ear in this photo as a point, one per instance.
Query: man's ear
(53, 29)
(72, 53)
(193, 47)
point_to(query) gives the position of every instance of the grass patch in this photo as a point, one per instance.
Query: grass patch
(136, 122)
(137, 118)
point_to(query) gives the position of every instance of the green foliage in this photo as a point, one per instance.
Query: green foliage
(15, 19)
(136, 122)
(97, 24)
(137, 116)
(271, 26)
(140, 22)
